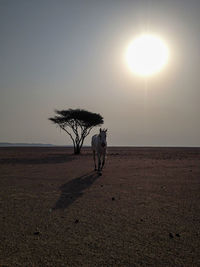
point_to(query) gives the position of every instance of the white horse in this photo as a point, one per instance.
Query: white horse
(99, 146)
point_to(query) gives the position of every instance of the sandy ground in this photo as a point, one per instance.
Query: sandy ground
(143, 211)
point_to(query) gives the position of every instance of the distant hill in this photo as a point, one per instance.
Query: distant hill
(24, 144)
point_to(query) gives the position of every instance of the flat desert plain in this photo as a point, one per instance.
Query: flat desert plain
(56, 211)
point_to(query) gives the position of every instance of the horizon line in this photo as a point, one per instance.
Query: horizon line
(21, 144)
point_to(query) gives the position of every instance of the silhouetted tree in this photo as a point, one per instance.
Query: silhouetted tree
(77, 123)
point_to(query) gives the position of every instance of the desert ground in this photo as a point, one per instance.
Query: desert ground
(56, 211)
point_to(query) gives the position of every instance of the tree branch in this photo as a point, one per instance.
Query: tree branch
(62, 127)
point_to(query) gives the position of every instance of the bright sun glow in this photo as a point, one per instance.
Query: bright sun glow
(147, 55)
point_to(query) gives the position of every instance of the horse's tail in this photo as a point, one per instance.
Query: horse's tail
(93, 142)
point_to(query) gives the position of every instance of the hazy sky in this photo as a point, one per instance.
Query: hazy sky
(60, 54)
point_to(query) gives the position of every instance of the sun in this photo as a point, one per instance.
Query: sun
(147, 55)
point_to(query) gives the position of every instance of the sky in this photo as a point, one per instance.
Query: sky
(60, 54)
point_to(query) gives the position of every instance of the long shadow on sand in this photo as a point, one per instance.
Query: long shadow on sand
(46, 159)
(74, 189)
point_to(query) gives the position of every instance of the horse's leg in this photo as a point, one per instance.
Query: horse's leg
(94, 158)
(99, 163)
(103, 162)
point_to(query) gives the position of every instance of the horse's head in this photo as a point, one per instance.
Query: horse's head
(102, 137)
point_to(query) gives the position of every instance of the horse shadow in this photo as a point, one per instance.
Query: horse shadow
(74, 189)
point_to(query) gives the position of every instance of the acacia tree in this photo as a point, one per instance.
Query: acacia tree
(77, 123)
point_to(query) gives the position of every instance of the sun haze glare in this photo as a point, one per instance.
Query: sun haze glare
(147, 55)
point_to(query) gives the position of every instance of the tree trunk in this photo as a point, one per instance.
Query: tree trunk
(77, 149)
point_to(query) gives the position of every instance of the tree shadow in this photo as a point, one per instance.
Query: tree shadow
(47, 159)
(74, 189)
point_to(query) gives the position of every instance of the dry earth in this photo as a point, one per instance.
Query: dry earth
(143, 211)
